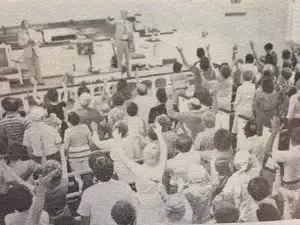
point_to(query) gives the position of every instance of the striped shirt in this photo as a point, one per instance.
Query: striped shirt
(13, 126)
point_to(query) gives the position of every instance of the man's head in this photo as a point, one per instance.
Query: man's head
(10, 104)
(142, 89)
(102, 166)
(200, 53)
(123, 213)
(223, 140)
(250, 128)
(73, 118)
(269, 60)
(247, 75)
(164, 121)
(183, 143)
(52, 95)
(226, 213)
(249, 59)
(83, 89)
(37, 114)
(209, 119)
(85, 99)
(268, 47)
(295, 138)
(286, 73)
(258, 188)
(286, 54)
(222, 166)
(122, 128)
(204, 64)
(194, 104)
(132, 109)
(267, 212)
(20, 197)
(177, 66)
(151, 154)
(225, 71)
(161, 95)
(118, 99)
(267, 85)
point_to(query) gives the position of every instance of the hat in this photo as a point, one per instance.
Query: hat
(194, 101)
(175, 204)
(37, 113)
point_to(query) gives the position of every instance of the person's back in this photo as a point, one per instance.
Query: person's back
(77, 136)
(101, 198)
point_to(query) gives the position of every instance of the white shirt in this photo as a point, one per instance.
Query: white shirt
(42, 136)
(204, 140)
(250, 67)
(294, 106)
(244, 98)
(291, 160)
(98, 200)
(145, 103)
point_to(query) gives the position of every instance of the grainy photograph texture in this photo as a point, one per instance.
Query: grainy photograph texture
(149, 112)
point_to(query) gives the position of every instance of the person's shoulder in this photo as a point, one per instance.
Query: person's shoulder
(9, 219)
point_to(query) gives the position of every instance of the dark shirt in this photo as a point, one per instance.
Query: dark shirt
(159, 110)
(57, 109)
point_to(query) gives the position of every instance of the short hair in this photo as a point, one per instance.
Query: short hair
(247, 75)
(161, 95)
(209, 119)
(10, 104)
(267, 212)
(123, 213)
(222, 166)
(268, 47)
(132, 109)
(225, 71)
(122, 128)
(73, 118)
(183, 143)
(286, 54)
(52, 95)
(269, 59)
(83, 89)
(102, 166)
(248, 130)
(267, 73)
(200, 52)
(20, 197)
(226, 213)
(249, 58)
(286, 73)
(258, 188)
(177, 66)
(295, 138)
(164, 121)
(16, 151)
(223, 140)
(118, 99)
(204, 64)
(142, 89)
(267, 85)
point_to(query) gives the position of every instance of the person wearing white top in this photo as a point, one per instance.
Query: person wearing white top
(293, 114)
(98, 200)
(244, 99)
(249, 66)
(289, 158)
(148, 177)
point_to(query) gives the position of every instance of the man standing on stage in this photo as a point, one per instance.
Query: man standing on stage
(29, 40)
(124, 40)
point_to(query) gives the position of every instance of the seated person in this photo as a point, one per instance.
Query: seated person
(124, 213)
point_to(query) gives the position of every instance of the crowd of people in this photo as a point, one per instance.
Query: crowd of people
(142, 159)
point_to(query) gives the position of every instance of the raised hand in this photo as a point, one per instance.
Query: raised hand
(179, 49)
(252, 45)
(235, 48)
(207, 47)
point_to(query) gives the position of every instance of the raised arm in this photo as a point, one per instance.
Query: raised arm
(63, 163)
(215, 103)
(275, 130)
(259, 64)
(185, 63)
(65, 89)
